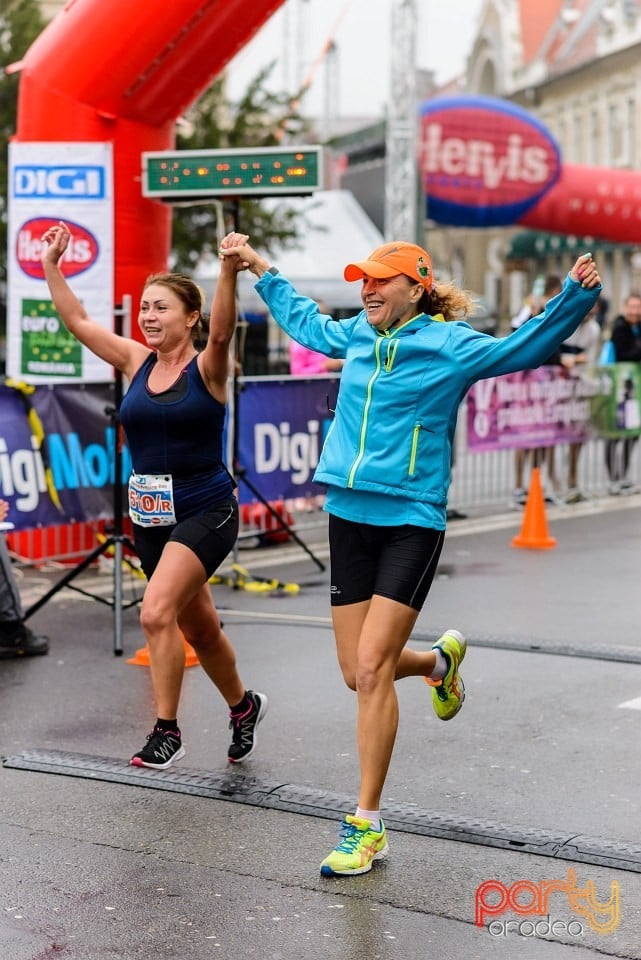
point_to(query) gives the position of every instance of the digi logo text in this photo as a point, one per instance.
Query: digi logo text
(59, 182)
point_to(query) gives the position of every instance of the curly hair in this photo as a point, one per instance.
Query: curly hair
(448, 299)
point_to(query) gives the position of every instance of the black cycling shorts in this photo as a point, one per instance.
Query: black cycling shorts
(394, 562)
(210, 535)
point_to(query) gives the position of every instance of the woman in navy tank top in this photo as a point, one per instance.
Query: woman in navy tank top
(181, 496)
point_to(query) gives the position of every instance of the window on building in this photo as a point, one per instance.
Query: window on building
(593, 138)
(614, 144)
(630, 134)
(577, 137)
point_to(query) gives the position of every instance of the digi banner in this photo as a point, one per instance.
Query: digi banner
(49, 182)
(57, 454)
(534, 408)
(281, 426)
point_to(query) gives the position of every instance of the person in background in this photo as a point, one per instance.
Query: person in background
(16, 639)
(546, 289)
(603, 306)
(581, 349)
(626, 340)
(386, 467)
(181, 496)
(532, 305)
(304, 362)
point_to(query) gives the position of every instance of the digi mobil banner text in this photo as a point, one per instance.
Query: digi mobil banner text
(57, 454)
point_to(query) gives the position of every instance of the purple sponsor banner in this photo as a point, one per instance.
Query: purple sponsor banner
(531, 408)
(281, 425)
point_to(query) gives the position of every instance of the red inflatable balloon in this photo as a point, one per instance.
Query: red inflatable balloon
(123, 72)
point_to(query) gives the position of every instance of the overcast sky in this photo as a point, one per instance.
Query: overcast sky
(361, 30)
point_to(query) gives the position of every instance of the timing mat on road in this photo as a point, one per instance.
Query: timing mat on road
(292, 798)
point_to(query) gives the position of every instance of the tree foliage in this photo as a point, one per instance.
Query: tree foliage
(20, 24)
(259, 119)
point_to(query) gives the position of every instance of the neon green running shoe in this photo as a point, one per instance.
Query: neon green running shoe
(448, 694)
(359, 848)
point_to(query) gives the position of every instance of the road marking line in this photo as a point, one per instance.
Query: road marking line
(631, 704)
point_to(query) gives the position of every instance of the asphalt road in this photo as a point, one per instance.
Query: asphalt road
(537, 780)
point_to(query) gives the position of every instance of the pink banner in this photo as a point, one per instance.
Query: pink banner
(532, 408)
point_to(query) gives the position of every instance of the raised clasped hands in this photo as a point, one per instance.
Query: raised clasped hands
(228, 251)
(235, 244)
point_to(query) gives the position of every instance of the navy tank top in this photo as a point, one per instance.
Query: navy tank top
(178, 431)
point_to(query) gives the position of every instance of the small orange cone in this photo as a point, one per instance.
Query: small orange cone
(534, 531)
(142, 659)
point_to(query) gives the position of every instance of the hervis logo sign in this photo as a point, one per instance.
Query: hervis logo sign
(483, 160)
(81, 254)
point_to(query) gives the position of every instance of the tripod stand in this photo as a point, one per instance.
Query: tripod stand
(240, 472)
(116, 539)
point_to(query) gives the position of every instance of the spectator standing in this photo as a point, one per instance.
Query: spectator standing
(626, 340)
(16, 639)
(303, 361)
(545, 289)
(581, 349)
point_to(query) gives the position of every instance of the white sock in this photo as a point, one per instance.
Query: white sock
(374, 817)
(441, 666)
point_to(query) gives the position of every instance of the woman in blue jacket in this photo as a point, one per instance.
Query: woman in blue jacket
(386, 465)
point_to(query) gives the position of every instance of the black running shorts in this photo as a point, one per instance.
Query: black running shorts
(395, 562)
(210, 535)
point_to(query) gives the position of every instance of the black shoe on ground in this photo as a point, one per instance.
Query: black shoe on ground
(17, 640)
(244, 726)
(160, 751)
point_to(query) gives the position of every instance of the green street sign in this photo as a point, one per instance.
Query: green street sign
(256, 172)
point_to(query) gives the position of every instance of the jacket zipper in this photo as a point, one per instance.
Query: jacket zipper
(415, 436)
(391, 354)
(361, 449)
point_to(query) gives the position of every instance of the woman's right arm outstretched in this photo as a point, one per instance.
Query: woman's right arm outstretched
(124, 354)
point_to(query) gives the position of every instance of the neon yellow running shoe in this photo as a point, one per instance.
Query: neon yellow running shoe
(358, 849)
(448, 694)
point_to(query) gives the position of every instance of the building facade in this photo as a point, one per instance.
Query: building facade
(575, 65)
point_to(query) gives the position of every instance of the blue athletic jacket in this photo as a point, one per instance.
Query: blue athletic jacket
(400, 391)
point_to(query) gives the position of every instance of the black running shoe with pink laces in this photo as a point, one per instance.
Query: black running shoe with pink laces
(243, 725)
(160, 751)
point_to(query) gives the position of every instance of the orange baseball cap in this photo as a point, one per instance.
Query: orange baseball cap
(392, 259)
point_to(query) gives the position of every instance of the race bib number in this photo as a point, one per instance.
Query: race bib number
(151, 500)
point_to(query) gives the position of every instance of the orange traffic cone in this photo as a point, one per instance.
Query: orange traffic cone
(141, 658)
(534, 531)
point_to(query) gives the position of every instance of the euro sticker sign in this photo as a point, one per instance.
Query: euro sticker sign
(484, 161)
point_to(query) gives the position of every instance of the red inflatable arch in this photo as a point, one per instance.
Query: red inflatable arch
(123, 72)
